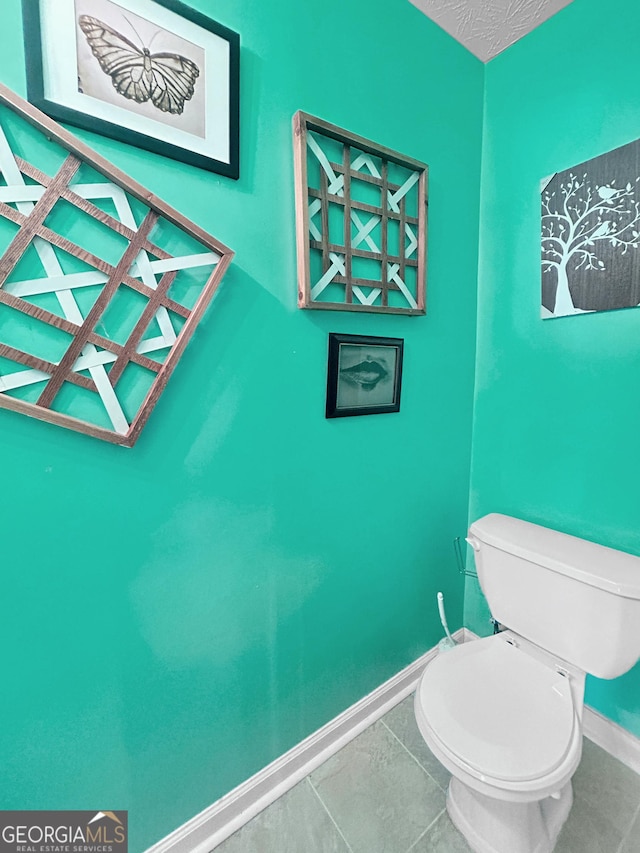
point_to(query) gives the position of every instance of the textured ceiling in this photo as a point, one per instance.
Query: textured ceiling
(486, 27)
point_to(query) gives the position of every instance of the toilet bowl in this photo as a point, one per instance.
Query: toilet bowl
(504, 714)
(504, 718)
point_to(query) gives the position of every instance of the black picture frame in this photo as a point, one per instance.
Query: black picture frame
(56, 48)
(364, 375)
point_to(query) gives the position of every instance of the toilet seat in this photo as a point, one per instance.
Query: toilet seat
(499, 712)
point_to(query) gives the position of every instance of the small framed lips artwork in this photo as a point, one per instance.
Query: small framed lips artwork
(364, 375)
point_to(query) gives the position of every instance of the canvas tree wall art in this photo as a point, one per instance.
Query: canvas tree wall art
(361, 217)
(591, 235)
(101, 283)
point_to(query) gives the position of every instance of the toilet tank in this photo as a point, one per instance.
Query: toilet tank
(578, 600)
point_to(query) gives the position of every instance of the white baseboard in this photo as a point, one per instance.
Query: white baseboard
(467, 635)
(212, 826)
(612, 738)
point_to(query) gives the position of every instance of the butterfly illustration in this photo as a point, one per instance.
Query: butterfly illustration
(166, 79)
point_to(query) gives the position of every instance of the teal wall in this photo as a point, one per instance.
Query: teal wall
(177, 615)
(557, 408)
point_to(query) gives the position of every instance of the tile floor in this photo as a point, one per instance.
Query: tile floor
(385, 793)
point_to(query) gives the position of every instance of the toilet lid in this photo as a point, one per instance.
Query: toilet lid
(501, 711)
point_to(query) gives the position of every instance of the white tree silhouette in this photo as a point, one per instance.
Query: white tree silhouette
(576, 218)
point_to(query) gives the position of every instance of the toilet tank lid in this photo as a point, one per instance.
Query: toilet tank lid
(606, 568)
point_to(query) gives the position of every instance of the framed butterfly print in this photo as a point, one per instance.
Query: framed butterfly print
(156, 74)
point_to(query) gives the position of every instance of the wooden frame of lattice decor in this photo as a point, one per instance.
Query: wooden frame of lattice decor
(101, 282)
(361, 222)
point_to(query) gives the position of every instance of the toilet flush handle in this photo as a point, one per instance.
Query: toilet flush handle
(471, 540)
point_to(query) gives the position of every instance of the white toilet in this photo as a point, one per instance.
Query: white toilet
(504, 713)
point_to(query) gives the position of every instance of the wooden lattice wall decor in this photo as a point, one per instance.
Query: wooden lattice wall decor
(361, 218)
(101, 282)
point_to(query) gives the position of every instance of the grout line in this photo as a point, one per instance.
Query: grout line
(408, 751)
(331, 818)
(422, 834)
(628, 832)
